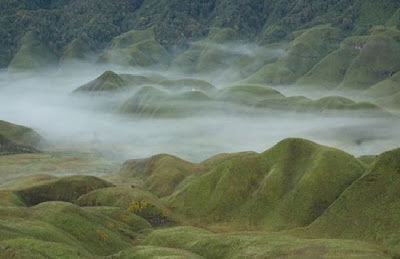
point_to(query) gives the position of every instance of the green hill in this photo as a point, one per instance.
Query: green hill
(257, 245)
(135, 48)
(64, 189)
(63, 229)
(303, 53)
(111, 81)
(248, 94)
(17, 139)
(367, 210)
(359, 63)
(288, 186)
(32, 54)
(327, 105)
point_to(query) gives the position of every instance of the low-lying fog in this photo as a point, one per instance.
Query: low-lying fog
(43, 101)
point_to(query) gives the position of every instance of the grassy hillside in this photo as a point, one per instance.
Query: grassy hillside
(16, 139)
(136, 48)
(334, 205)
(368, 209)
(95, 23)
(303, 53)
(359, 63)
(258, 245)
(288, 186)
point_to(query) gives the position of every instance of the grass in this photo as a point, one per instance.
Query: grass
(368, 210)
(385, 88)
(33, 248)
(205, 56)
(328, 105)
(303, 53)
(333, 205)
(147, 252)
(32, 54)
(68, 188)
(150, 101)
(258, 245)
(331, 70)
(288, 186)
(56, 164)
(161, 174)
(77, 50)
(19, 134)
(136, 48)
(377, 61)
(127, 198)
(60, 226)
(247, 94)
(111, 81)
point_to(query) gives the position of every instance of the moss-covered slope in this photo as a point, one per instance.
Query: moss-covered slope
(111, 81)
(64, 189)
(17, 139)
(258, 245)
(32, 54)
(368, 209)
(136, 48)
(303, 53)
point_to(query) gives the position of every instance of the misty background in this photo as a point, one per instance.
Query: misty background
(44, 101)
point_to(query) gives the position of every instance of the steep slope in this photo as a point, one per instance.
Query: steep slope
(288, 186)
(132, 199)
(32, 54)
(378, 60)
(333, 105)
(136, 48)
(368, 209)
(97, 22)
(64, 189)
(111, 81)
(361, 63)
(258, 245)
(152, 102)
(161, 174)
(17, 139)
(303, 53)
(59, 229)
(77, 50)
(208, 55)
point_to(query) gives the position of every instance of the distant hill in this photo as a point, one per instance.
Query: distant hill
(17, 139)
(94, 23)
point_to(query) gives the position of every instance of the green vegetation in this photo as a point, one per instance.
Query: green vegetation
(111, 81)
(378, 60)
(208, 55)
(77, 50)
(136, 48)
(161, 174)
(368, 209)
(367, 63)
(303, 53)
(248, 94)
(327, 105)
(64, 189)
(32, 54)
(55, 164)
(324, 196)
(187, 84)
(258, 245)
(288, 186)
(131, 199)
(17, 139)
(152, 102)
